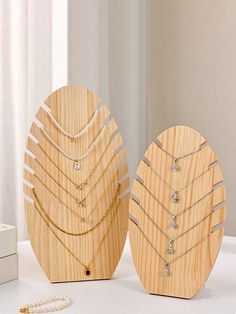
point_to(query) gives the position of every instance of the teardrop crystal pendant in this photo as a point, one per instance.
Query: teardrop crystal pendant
(173, 223)
(175, 197)
(76, 165)
(166, 271)
(171, 249)
(175, 167)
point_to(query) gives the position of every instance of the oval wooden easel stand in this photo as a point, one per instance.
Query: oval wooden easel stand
(177, 208)
(76, 183)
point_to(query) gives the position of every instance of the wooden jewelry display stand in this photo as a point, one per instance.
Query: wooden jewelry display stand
(177, 208)
(76, 202)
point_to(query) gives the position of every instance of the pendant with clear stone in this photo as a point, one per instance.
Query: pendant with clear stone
(174, 223)
(175, 167)
(175, 197)
(77, 165)
(171, 249)
(166, 271)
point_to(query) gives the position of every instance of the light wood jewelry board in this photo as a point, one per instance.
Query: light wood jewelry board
(54, 188)
(201, 200)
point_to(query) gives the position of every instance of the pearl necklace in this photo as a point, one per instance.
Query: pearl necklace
(74, 158)
(37, 307)
(73, 136)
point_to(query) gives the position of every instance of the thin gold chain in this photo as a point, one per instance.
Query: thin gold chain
(83, 219)
(82, 202)
(81, 185)
(86, 267)
(42, 212)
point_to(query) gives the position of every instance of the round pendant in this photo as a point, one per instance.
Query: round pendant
(166, 271)
(87, 272)
(174, 224)
(77, 165)
(175, 167)
(170, 249)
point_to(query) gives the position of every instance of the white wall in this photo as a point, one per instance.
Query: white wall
(192, 76)
(183, 50)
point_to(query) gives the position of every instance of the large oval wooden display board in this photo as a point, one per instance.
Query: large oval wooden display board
(175, 237)
(76, 210)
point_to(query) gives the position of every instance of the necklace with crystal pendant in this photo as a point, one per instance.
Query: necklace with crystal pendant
(77, 164)
(170, 247)
(175, 194)
(175, 160)
(174, 217)
(166, 269)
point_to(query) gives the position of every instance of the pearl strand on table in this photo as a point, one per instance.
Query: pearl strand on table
(35, 307)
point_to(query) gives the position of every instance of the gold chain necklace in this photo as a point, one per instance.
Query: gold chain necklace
(82, 185)
(80, 203)
(76, 159)
(166, 269)
(71, 136)
(175, 160)
(175, 196)
(171, 249)
(87, 267)
(42, 212)
(83, 219)
(174, 216)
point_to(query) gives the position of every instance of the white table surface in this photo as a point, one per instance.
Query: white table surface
(124, 293)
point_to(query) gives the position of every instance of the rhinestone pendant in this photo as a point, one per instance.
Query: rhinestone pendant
(175, 167)
(171, 249)
(166, 271)
(175, 197)
(174, 224)
(76, 165)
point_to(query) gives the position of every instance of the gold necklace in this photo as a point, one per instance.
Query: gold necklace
(175, 160)
(87, 267)
(78, 186)
(42, 212)
(83, 219)
(80, 203)
(76, 159)
(175, 197)
(166, 269)
(71, 136)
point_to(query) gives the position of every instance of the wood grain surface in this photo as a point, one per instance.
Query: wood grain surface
(55, 181)
(201, 190)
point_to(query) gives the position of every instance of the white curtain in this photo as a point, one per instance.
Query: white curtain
(27, 36)
(107, 53)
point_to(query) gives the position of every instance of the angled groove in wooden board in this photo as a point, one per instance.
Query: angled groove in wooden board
(60, 189)
(198, 214)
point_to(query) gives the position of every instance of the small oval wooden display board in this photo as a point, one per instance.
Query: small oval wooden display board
(177, 208)
(76, 181)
